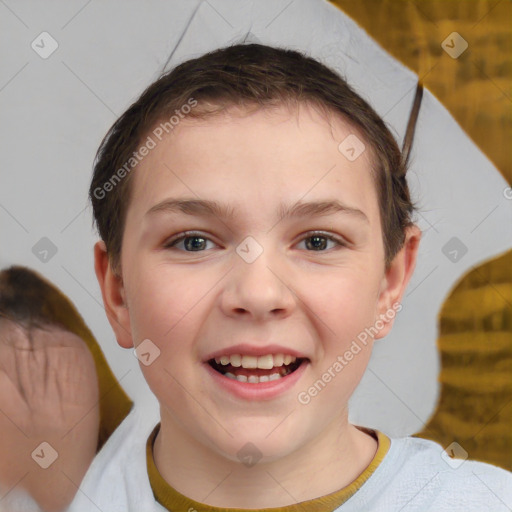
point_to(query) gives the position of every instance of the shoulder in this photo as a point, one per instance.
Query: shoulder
(117, 479)
(417, 475)
(451, 461)
(448, 479)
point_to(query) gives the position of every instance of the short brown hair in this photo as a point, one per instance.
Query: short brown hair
(246, 75)
(31, 301)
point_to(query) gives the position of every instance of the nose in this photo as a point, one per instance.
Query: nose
(259, 290)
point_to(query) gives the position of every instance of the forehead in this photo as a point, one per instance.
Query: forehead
(253, 159)
(15, 334)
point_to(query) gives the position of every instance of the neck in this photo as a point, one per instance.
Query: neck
(326, 464)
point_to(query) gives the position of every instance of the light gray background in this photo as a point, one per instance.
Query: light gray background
(55, 112)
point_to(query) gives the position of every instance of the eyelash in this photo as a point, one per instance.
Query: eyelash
(170, 244)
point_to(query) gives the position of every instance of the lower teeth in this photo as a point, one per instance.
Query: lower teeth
(278, 373)
(253, 379)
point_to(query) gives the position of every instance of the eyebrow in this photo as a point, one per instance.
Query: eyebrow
(208, 208)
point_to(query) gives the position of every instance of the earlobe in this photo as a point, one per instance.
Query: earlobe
(396, 279)
(113, 293)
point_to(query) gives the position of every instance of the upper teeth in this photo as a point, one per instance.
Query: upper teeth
(265, 362)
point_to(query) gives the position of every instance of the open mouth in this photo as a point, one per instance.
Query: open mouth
(254, 370)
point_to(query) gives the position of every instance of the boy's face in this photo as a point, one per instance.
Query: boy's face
(307, 297)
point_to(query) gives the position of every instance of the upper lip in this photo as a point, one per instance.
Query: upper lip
(253, 350)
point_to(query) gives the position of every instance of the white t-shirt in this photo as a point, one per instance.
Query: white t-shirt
(412, 477)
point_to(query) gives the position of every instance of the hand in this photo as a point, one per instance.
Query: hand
(48, 393)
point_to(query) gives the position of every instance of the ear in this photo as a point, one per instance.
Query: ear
(114, 297)
(396, 279)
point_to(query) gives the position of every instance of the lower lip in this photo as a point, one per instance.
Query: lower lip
(260, 390)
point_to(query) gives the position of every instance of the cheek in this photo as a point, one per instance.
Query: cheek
(161, 299)
(164, 310)
(344, 311)
(346, 302)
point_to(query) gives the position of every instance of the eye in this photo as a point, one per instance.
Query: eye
(190, 241)
(318, 241)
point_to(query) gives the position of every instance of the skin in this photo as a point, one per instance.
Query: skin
(48, 393)
(190, 304)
